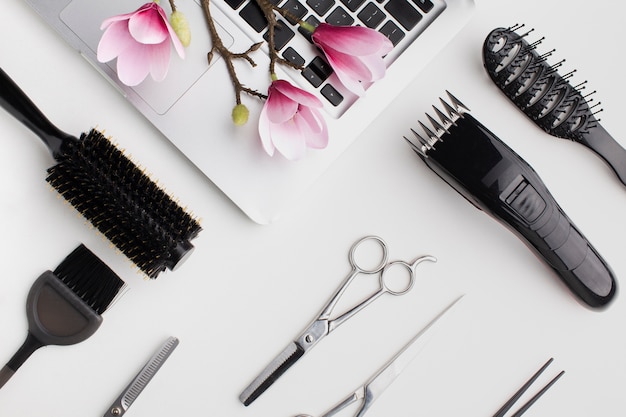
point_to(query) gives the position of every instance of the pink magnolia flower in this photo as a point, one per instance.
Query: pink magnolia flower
(354, 52)
(141, 42)
(291, 122)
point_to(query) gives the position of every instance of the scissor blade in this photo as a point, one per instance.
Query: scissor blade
(271, 373)
(132, 391)
(383, 378)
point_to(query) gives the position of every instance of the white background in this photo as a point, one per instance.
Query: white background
(248, 290)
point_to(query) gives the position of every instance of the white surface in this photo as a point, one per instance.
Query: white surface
(249, 289)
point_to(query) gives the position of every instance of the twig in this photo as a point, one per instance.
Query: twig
(229, 57)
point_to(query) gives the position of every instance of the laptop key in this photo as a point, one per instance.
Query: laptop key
(371, 16)
(404, 13)
(424, 5)
(253, 14)
(311, 20)
(292, 56)
(339, 17)
(321, 7)
(235, 3)
(317, 71)
(393, 32)
(332, 95)
(296, 9)
(282, 35)
(352, 5)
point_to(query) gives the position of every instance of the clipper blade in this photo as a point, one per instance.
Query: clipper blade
(453, 112)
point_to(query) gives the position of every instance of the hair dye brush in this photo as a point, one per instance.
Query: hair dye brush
(64, 306)
(545, 96)
(494, 178)
(116, 196)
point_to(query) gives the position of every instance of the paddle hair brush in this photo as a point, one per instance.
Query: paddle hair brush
(109, 190)
(546, 97)
(64, 307)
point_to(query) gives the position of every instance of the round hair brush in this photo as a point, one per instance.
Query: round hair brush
(109, 190)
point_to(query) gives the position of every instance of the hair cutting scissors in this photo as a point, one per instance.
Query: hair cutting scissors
(381, 380)
(323, 325)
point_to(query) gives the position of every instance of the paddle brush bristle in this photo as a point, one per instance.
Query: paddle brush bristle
(123, 203)
(64, 306)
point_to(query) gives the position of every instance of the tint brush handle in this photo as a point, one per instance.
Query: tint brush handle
(603, 144)
(17, 103)
(30, 345)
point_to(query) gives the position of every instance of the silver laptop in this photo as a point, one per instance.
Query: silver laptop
(192, 106)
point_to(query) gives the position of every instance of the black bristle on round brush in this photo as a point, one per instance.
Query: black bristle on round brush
(64, 307)
(109, 190)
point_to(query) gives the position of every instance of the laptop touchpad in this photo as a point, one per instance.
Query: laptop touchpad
(84, 18)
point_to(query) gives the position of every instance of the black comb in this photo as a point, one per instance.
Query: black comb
(546, 97)
(64, 306)
(109, 190)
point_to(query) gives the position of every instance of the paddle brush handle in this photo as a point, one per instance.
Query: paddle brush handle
(17, 103)
(603, 144)
(30, 345)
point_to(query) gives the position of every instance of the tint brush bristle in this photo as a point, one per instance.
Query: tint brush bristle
(89, 278)
(123, 203)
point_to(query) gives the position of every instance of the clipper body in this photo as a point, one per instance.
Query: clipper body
(498, 181)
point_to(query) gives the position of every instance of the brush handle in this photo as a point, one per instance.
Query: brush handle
(603, 144)
(30, 345)
(17, 103)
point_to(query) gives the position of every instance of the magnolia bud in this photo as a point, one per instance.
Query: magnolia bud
(181, 27)
(240, 115)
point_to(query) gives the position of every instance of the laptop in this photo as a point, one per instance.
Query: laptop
(192, 106)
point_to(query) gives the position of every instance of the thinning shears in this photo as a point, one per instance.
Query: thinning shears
(323, 325)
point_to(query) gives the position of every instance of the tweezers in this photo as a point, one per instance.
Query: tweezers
(502, 411)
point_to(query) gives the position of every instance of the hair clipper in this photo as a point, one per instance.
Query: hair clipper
(494, 178)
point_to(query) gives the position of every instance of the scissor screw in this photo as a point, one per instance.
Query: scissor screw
(308, 338)
(116, 411)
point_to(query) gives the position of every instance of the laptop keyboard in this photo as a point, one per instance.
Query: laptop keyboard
(400, 20)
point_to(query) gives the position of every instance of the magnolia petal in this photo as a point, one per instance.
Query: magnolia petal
(178, 45)
(289, 140)
(114, 41)
(133, 65)
(159, 60)
(265, 132)
(353, 40)
(297, 94)
(346, 74)
(148, 27)
(312, 122)
(376, 67)
(280, 108)
(124, 16)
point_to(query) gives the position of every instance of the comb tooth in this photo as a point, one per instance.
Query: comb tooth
(445, 120)
(515, 27)
(430, 134)
(419, 149)
(460, 107)
(439, 130)
(454, 116)
(419, 137)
